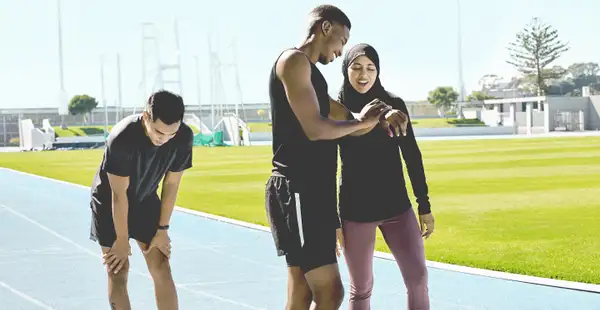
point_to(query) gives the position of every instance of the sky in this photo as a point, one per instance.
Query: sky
(416, 41)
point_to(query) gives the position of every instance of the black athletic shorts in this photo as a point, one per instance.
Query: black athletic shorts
(300, 223)
(143, 221)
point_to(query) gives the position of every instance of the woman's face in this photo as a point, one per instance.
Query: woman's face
(362, 74)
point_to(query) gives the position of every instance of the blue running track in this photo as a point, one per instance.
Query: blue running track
(48, 262)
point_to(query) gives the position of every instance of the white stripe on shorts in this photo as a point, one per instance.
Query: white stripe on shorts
(299, 218)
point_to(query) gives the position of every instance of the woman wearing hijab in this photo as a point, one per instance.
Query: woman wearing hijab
(373, 192)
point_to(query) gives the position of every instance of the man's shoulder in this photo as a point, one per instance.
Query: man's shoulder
(292, 54)
(186, 131)
(291, 61)
(185, 135)
(123, 133)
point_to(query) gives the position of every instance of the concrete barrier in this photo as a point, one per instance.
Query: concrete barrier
(83, 142)
(260, 136)
(463, 131)
(81, 139)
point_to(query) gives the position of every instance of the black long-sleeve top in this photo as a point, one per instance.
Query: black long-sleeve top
(372, 185)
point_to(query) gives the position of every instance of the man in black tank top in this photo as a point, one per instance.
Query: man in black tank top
(301, 193)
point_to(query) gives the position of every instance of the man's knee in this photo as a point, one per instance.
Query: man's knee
(326, 285)
(330, 293)
(158, 265)
(299, 293)
(299, 299)
(119, 279)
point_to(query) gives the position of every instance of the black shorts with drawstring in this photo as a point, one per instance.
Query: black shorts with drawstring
(143, 221)
(301, 222)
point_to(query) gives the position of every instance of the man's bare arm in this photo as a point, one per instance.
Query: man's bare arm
(339, 112)
(120, 204)
(294, 70)
(170, 187)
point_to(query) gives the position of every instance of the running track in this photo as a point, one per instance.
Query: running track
(48, 262)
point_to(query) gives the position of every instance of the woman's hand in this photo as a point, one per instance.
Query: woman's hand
(426, 222)
(340, 241)
(398, 120)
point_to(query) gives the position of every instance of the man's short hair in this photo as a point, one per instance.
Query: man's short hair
(327, 12)
(166, 106)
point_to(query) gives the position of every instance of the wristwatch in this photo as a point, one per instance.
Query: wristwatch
(163, 227)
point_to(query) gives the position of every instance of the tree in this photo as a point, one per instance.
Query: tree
(82, 104)
(479, 96)
(442, 97)
(584, 74)
(583, 68)
(489, 82)
(575, 77)
(536, 47)
(557, 74)
(525, 84)
(563, 88)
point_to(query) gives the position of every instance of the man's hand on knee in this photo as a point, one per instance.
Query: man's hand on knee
(162, 242)
(118, 255)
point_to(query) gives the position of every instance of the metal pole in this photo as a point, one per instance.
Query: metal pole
(198, 84)
(60, 62)
(237, 103)
(143, 62)
(120, 96)
(178, 59)
(60, 51)
(212, 84)
(460, 62)
(219, 88)
(237, 81)
(4, 130)
(21, 134)
(103, 95)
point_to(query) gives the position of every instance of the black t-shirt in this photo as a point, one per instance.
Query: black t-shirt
(307, 164)
(372, 185)
(129, 152)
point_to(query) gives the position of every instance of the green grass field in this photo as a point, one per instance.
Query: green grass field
(528, 206)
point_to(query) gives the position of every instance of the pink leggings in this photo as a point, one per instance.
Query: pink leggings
(403, 236)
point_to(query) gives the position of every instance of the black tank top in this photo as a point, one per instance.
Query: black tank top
(305, 163)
